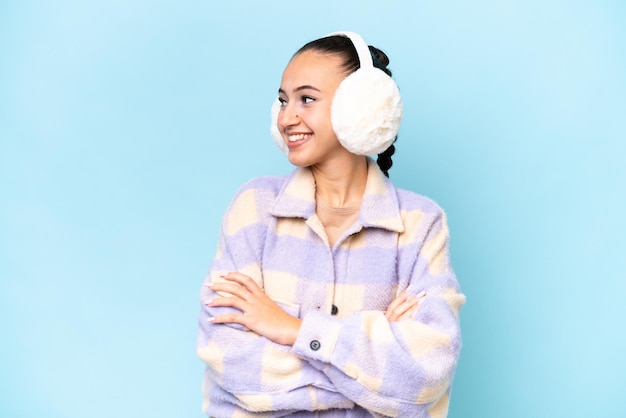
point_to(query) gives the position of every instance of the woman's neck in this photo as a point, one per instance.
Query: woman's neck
(341, 183)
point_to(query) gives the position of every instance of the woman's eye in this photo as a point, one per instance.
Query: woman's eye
(282, 101)
(307, 99)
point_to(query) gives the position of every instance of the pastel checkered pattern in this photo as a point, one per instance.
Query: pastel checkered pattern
(348, 359)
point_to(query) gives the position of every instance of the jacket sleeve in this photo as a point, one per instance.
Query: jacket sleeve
(402, 368)
(245, 370)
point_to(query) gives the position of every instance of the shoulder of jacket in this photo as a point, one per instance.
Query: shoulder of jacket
(411, 201)
(262, 185)
(257, 195)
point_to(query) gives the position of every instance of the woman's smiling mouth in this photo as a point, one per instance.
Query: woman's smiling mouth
(297, 137)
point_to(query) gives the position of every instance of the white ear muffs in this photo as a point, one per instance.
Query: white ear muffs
(278, 138)
(366, 110)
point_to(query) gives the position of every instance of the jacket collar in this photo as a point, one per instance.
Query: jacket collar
(379, 208)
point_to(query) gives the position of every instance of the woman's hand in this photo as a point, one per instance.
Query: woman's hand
(402, 308)
(259, 313)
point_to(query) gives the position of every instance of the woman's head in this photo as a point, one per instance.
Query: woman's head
(306, 94)
(361, 103)
(343, 47)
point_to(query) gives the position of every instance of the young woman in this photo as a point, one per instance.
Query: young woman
(331, 294)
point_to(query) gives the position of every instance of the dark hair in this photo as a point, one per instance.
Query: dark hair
(343, 47)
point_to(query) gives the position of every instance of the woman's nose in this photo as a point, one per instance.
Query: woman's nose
(288, 115)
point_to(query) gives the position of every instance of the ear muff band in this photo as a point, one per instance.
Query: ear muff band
(366, 110)
(362, 50)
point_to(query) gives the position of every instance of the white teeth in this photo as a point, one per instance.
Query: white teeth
(293, 138)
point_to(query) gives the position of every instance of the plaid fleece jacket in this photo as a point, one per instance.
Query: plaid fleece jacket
(348, 360)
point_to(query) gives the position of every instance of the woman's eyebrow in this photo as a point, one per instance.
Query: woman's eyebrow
(305, 87)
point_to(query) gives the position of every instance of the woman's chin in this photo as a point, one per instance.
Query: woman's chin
(298, 161)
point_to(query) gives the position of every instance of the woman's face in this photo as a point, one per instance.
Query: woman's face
(306, 93)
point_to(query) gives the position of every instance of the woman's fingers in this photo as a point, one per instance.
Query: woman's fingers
(228, 318)
(391, 309)
(228, 301)
(408, 314)
(232, 289)
(237, 284)
(258, 312)
(402, 307)
(243, 280)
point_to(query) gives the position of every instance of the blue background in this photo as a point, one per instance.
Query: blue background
(126, 126)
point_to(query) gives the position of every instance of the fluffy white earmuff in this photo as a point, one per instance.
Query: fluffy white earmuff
(278, 138)
(366, 110)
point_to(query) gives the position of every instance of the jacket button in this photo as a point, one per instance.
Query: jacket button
(315, 345)
(334, 310)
